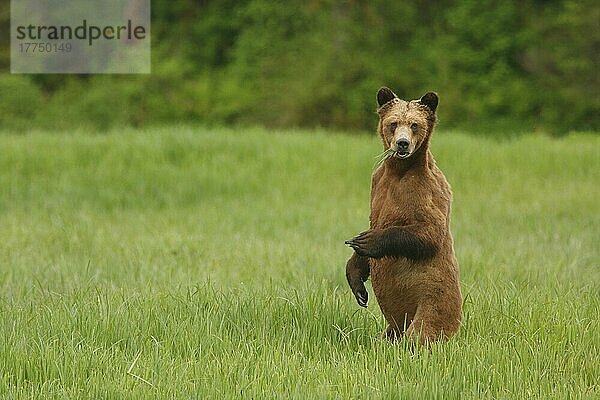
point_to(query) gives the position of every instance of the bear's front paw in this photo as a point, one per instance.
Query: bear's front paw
(366, 244)
(361, 295)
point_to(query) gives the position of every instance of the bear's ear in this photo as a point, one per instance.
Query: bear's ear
(384, 95)
(431, 100)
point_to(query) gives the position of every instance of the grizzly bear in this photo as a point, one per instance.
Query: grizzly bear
(408, 250)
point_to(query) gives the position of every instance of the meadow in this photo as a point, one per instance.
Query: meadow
(209, 263)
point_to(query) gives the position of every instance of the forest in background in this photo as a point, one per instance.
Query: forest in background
(498, 66)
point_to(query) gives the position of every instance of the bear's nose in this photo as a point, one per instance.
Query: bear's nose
(403, 144)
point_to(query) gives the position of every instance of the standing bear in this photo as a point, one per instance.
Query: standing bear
(408, 250)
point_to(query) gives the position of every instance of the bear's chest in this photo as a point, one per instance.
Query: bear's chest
(398, 202)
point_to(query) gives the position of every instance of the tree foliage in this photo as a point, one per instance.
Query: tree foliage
(524, 65)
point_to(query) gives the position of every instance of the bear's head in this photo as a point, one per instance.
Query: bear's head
(405, 126)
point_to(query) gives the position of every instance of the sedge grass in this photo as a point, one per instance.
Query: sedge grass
(197, 263)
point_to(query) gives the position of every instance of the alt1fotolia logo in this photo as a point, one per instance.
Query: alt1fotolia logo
(80, 36)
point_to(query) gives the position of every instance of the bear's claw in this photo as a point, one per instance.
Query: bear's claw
(363, 245)
(362, 298)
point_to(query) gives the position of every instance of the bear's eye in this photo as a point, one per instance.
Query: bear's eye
(414, 126)
(393, 126)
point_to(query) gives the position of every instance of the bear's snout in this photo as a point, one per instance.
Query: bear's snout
(402, 145)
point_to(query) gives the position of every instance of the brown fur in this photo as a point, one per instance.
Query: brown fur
(408, 249)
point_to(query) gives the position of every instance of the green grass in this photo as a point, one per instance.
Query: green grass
(195, 263)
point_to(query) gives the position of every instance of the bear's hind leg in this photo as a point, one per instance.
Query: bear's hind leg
(391, 333)
(395, 331)
(427, 326)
